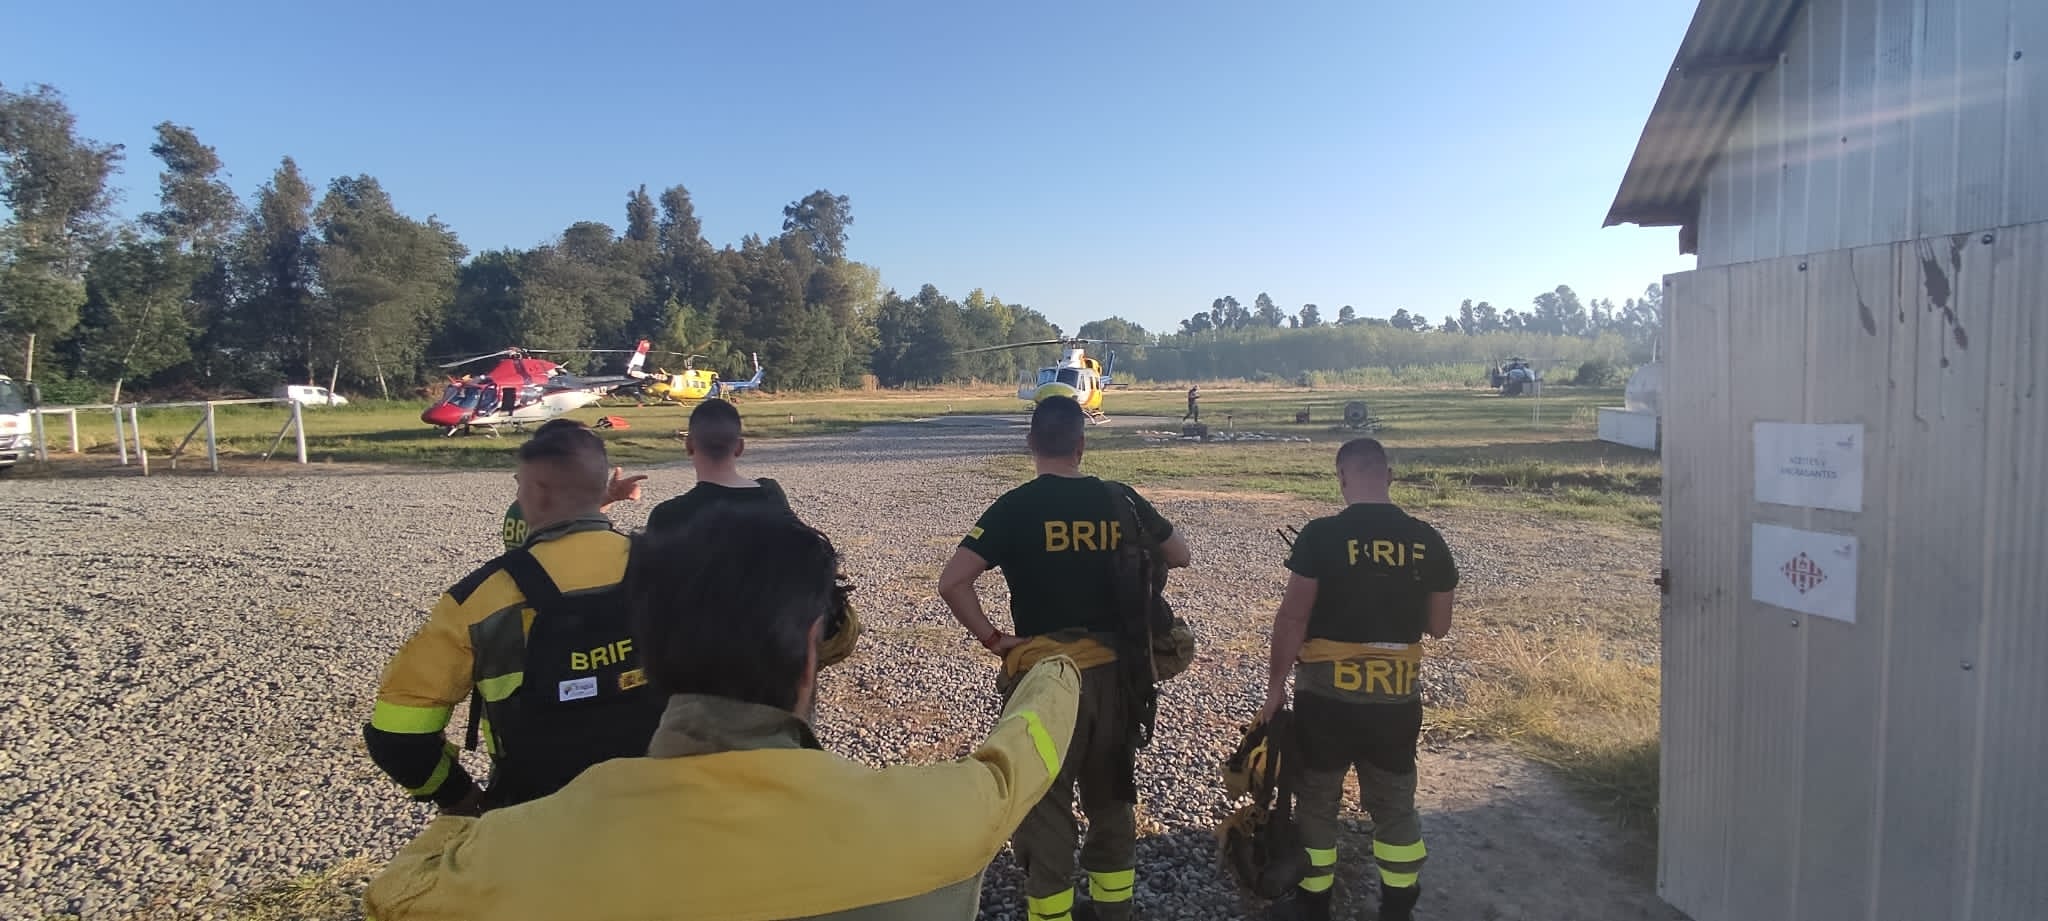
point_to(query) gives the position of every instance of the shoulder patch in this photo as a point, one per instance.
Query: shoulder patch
(974, 532)
(461, 591)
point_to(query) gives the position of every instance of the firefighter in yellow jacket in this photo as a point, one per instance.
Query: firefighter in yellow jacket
(1365, 584)
(736, 813)
(535, 638)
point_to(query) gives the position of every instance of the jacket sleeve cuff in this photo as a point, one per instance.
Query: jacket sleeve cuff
(454, 789)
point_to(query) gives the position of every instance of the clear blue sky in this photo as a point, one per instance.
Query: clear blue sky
(1137, 159)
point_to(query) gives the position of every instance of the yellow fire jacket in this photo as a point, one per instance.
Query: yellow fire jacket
(736, 816)
(434, 670)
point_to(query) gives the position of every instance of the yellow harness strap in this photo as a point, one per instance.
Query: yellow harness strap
(1333, 651)
(1087, 652)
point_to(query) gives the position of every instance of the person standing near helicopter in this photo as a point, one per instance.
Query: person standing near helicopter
(715, 443)
(1056, 539)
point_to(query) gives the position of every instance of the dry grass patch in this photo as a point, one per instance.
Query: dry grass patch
(333, 894)
(1563, 699)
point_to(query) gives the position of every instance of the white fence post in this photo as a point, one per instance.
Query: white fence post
(121, 435)
(299, 426)
(212, 450)
(135, 426)
(73, 414)
(36, 431)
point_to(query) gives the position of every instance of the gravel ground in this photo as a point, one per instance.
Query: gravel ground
(190, 659)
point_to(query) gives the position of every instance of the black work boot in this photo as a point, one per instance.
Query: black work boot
(1399, 904)
(1301, 905)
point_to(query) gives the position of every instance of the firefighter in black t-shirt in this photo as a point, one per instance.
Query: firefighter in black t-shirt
(1053, 537)
(715, 443)
(1365, 584)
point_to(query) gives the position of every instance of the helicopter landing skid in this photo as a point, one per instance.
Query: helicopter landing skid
(1095, 417)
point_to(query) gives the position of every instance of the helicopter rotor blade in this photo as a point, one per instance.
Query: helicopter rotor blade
(501, 353)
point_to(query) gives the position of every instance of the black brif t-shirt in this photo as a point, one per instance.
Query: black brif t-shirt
(1053, 539)
(1375, 567)
(678, 511)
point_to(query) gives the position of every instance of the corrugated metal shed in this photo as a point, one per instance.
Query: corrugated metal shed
(1885, 121)
(1889, 766)
(1729, 46)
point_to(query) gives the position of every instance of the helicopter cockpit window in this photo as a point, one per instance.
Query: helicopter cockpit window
(1071, 377)
(1046, 375)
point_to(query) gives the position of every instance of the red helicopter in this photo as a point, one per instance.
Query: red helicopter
(520, 390)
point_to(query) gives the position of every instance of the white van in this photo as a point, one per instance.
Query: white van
(309, 395)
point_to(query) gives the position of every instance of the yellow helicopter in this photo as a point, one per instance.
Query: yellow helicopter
(1076, 374)
(689, 385)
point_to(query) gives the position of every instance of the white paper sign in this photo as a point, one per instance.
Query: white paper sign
(1815, 466)
(1812, 572)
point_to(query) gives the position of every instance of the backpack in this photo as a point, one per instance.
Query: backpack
(1153, 644)
(583, 697)
(1259, 844)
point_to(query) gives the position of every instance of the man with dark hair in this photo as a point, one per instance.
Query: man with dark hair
(538, 642)
(1056, 540)
(736, 813)
(621, 488)
(715, 444)
(1365, 584)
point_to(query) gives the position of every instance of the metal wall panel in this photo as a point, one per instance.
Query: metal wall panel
(2010, 812)
(1849, 312)
(1937, 597)
(1858, 125)
(1694, 830)
(2026, 114)
(1875, 98)
(1768, 361)
(1890, 767)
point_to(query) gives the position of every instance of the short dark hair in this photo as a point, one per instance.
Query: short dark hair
(715, 428)
(1057, 424)
(724, 605)
(559, 439)
(1363, 454)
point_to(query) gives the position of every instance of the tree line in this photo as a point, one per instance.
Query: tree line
(211, 294)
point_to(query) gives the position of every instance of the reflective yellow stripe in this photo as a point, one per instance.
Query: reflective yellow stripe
(1046, 750)
(1390, 879)
(440, 774)
(1052, 907)
(1399, 853)
(1113, 886)
(1321, 857)
(391, 717)
(483, 729)
(1318, 883)
(500, 687)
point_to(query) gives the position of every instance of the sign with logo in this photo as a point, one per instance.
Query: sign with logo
(1813, 466)
(1812, 572)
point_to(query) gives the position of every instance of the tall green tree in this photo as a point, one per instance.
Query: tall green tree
(54, 186)
(198, 211)
(134, 322)
(274, 264)
(1346, 315)
(820, 219)
(385, 280)
(1310, 316)
(1267, 313)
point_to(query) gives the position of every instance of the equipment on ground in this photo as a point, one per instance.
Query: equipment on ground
(17, 430)
(1259, 843)
(521, 390)
(1514, 377)
(1075, 375)
(1358, 417)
